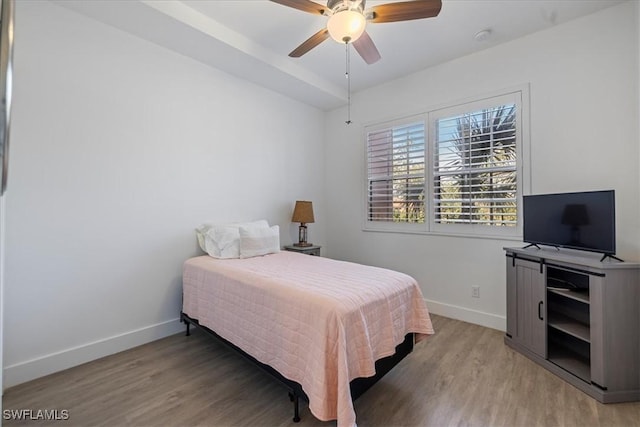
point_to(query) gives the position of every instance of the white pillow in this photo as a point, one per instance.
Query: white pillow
(200, 233)
(223, 240)
(259, 241)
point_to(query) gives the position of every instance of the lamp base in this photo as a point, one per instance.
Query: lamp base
(302, 236)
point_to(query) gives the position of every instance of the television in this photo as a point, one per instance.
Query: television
(584, 221)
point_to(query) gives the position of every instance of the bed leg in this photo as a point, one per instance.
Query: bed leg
(183, 318)
(296, 407)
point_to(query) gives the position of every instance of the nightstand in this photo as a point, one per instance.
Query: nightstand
(307, 250)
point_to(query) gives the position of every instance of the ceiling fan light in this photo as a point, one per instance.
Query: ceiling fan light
(346, 26)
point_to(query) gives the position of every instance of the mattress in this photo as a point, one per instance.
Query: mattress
(317, 321)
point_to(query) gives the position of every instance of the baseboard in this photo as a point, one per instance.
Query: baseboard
(54, 362)
(489, 320)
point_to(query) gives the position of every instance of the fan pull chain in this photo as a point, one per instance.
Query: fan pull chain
(347, 72)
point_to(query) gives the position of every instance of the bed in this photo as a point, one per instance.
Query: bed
(322, 326)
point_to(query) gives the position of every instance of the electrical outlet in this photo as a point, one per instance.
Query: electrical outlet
(475, 291)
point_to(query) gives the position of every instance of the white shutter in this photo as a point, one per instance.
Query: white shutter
(475, 167)
(396, 173)
(460, 169)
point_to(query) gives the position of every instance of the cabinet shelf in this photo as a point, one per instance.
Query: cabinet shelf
(574, 295)
(571, 362)
(569, 326)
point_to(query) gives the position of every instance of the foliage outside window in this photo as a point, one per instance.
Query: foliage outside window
(455, 170)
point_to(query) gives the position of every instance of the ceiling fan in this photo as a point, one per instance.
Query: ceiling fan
(348, 18)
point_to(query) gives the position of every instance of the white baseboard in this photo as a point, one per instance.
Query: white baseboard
(467, 315)
(54, 362)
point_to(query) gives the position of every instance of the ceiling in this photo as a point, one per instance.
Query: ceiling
(252, 38)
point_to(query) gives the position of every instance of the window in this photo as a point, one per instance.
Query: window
(475, 177)
(396, 173)
(454, 170)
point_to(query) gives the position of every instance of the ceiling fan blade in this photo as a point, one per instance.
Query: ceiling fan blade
(406, 11)
(310, 43)
(367, 49)
(303, 5)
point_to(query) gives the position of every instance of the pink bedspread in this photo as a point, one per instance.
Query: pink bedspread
(317, 321)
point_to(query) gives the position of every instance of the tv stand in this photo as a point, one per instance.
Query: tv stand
(605, 256)
(577, 317)
(530, 245)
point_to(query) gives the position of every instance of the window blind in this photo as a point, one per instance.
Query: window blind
(396, 173)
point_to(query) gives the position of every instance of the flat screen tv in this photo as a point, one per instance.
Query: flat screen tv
(584, 220)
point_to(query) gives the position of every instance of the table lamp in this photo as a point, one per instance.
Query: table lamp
(302, 213)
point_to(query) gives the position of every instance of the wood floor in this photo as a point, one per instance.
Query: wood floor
(462, 376)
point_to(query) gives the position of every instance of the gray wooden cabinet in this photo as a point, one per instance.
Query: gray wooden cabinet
(578, 317)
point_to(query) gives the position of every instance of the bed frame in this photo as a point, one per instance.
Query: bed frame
(358, 386)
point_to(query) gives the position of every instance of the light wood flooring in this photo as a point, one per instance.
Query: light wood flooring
(462, 376)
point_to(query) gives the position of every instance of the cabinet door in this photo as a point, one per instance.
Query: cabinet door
(526, 305)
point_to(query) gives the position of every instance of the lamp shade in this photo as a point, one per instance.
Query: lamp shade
(303, 212)
(346, 26)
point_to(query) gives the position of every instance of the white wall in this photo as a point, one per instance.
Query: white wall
(584, 134)
(119, 149)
